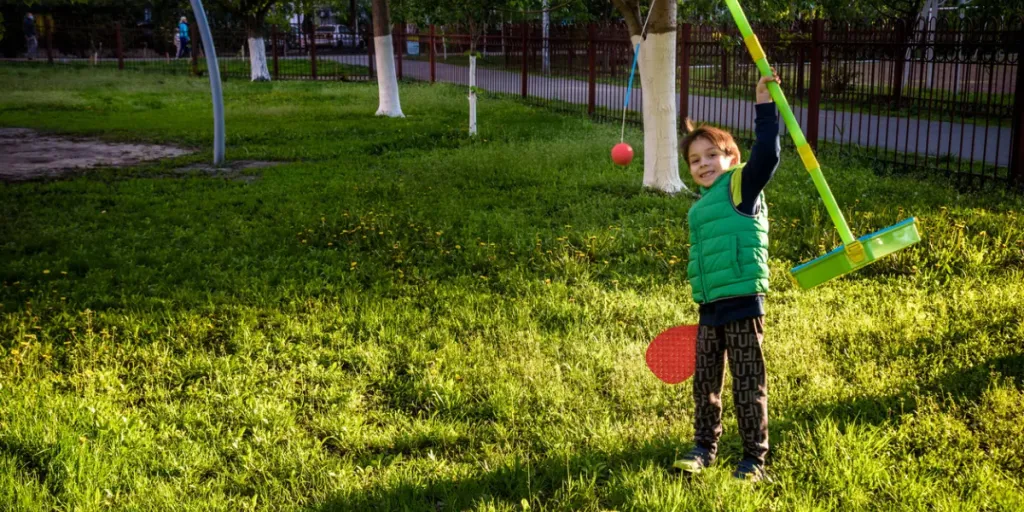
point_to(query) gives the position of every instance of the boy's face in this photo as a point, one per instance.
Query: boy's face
(708, 162)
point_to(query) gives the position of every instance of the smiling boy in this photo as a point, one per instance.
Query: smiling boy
(728, 270)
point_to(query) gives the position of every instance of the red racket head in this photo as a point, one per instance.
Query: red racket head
(672, 356)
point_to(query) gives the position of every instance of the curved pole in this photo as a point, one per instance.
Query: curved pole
(214, 70)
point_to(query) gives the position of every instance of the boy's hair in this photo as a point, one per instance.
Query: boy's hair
(716, 136)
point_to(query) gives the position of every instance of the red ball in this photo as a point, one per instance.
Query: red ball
(622, 153)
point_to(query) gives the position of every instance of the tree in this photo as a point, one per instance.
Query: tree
(657, 68)
(253, 14)
(387, 82)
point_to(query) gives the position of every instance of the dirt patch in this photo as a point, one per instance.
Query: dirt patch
(26, 154)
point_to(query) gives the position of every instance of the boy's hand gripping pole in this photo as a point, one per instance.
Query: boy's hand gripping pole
(802, 147)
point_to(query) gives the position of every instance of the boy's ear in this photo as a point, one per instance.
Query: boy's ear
(734, 160)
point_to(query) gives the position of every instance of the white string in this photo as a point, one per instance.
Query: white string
(643, 30)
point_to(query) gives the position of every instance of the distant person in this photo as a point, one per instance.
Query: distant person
(177, 42)
(31, 42)
(307, 29)
(183, 39)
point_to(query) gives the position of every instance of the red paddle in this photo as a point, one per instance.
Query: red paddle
(672, 356)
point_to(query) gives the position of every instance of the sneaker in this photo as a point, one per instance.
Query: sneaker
(695, 461)
(749, 470)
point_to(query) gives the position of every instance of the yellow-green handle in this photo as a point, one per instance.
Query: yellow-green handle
(802, 147)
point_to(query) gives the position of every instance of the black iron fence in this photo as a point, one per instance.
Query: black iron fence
(936, 95)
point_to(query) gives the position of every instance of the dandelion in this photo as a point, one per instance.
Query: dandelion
(47, 271)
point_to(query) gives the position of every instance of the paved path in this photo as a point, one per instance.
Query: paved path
(937, 138)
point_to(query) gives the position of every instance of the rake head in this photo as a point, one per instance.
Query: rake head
(861, 253)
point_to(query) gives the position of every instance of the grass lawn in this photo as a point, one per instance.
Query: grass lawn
(233, 67)
(403, 318)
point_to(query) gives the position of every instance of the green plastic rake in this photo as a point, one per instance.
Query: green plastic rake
(855, 253)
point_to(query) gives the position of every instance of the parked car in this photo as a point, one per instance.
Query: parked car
(338, 36)
(288, 40)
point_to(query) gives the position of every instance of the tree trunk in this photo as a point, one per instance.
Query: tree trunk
(472, 35)
(387, 82)
(657, 68)
(257, 57)
(546, 32)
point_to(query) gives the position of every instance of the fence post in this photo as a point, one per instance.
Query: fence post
(800, 58)
(312, 51)
(1017, 139)
(684, 73)
(49, 38)
(725, 68)
(524, 83)
(592, 71)
(400, 46)
(433, 58)
(371, 51)
(118, 46)
(504, 49)
(193, 60)
(814, 101)
(273, 44)
(898, 64)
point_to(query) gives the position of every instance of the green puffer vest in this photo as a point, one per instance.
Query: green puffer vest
(728, 249)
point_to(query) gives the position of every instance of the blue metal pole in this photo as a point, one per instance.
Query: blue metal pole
(215, 91)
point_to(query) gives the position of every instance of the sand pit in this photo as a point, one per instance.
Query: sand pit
(27, 155)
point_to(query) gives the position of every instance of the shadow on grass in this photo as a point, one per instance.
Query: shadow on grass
(962, 387)
(549, 479)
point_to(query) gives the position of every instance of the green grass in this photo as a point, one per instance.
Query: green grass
(229, 67)
(404, 318)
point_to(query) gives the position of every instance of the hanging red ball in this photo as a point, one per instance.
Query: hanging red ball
(622, 154)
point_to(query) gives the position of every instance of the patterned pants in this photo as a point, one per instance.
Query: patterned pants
(740, 341)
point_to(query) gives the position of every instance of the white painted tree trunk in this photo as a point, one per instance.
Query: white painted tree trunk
(258, 60)
(546, 28)
(657, 65)
(472, 95)
(387, 81)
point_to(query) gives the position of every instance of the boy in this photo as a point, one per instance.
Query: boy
(728, 270)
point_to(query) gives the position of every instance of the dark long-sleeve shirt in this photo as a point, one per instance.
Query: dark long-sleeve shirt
(29, 27)
(764, 160)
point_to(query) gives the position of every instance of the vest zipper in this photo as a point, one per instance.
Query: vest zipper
(700, 260)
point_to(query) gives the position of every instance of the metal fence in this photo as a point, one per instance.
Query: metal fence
(934, 95)
(289, 51)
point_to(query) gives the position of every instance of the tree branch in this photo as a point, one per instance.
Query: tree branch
(630, 9)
